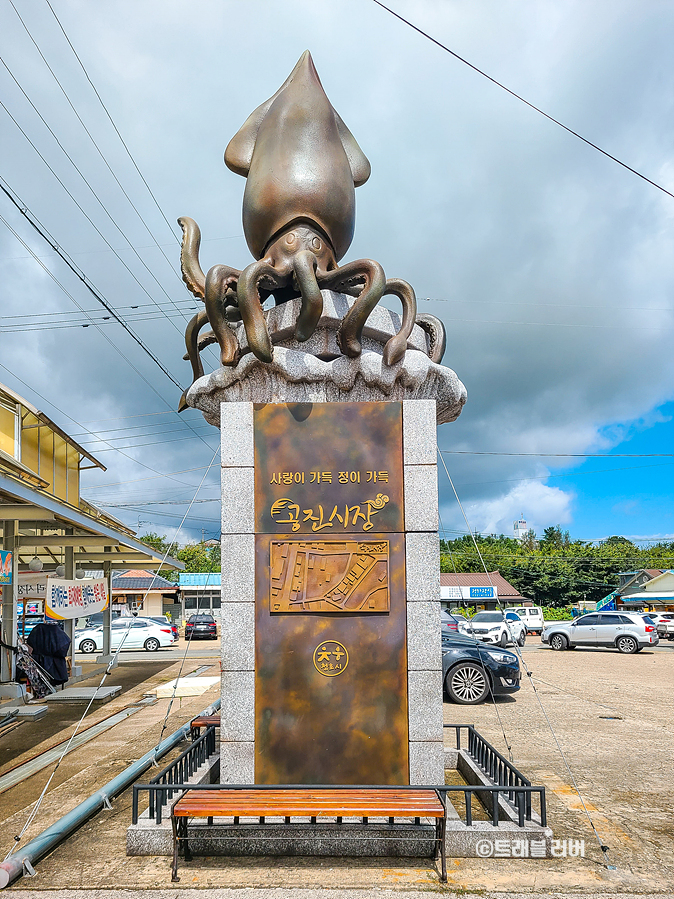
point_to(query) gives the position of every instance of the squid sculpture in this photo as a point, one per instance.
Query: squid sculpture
(301, 165)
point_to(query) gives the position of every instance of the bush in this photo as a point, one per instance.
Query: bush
(551, 614)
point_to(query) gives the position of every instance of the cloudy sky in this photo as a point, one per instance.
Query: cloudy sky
(550, 265)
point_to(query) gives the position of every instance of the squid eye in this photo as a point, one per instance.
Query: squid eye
(316, 243)
(290, 238)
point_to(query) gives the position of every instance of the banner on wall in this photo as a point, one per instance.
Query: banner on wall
(75, 599)
(5, 566)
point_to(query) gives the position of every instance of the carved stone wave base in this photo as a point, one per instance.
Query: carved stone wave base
(298, 375)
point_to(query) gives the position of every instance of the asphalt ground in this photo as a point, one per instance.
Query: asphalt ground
(610, 713)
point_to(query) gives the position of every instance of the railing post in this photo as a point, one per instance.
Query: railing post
(134, 807)
(468, 796)
(494, 807)
(544, 813)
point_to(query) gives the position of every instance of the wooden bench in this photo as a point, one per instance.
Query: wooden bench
(306, 802)
(202, 721)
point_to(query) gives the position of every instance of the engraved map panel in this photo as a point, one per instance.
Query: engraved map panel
(329, 576)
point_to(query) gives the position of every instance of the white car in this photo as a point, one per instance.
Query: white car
(130, 633)
(532, 616)
(495, 627)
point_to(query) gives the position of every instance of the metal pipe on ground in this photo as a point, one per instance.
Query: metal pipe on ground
(29, 855)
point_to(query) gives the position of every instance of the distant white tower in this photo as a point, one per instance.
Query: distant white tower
(520, 527)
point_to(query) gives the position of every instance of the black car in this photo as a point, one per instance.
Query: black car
(201, 626)
(472, 670)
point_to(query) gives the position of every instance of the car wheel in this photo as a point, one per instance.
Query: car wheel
(467, 684)
(522, 639)
(558, 641)
(87, 646)
(627, 644)
(504, 640)
(151, 644)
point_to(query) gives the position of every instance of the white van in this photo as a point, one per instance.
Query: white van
(532, 616)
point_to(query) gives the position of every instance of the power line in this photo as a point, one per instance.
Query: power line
(558, 455)
(79, 424)
(526, 102)
(93, 141)
(44, 234)
(112, 122)
(93, 192)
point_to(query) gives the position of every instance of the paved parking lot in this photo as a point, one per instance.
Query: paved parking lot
(610, 713)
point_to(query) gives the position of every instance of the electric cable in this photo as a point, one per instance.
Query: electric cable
(35, 223)
(604, 849)
(36, 807)
(44, 234)
(93, 141)
(105, 109)
(93, 193)
(79, 424)
(521, 99)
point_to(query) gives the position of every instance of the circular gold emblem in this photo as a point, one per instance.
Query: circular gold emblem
(330, 658)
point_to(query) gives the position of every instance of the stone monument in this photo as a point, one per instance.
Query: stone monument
(328, 405)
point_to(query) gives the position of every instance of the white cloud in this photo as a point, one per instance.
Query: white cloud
(542, 505)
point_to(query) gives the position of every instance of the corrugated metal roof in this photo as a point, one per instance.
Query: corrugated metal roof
(479, 579)
(199, 579)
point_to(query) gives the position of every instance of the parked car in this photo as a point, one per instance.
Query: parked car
(532, 616)
(627, 632)
(495, 627)
(201, 625)
(96, 618)
(666, 630)
(163, 620)
(472, 671)
(136, 633)
(452, 622)
(661, 617)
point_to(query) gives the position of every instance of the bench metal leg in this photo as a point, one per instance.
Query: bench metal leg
(187, 853)
(443, 850)
(174, 866)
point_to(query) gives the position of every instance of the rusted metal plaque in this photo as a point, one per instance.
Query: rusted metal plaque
(329, 576)
(328, 469)
(330, 687)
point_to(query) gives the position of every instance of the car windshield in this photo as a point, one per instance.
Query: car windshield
(200, 619)
(488, 617)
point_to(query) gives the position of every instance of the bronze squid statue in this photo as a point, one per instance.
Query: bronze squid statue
(301, 165)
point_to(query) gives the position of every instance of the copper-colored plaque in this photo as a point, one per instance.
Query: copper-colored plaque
(316, 724)
(328, 469)
(329, 576)
(330, 613)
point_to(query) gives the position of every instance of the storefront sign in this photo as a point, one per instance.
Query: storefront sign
(5, 566)
(75, 599)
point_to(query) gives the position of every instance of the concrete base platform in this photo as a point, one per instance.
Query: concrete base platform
(30, 712)
(84, 694)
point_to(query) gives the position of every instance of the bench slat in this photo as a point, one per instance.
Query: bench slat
(309, 803)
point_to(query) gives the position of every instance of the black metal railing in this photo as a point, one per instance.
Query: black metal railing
(171, 779)
(160, 793)
(496, 766)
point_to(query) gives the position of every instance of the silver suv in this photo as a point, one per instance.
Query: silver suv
(626, 632)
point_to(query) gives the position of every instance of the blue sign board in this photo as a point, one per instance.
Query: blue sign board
(5, 567)
(481, 592)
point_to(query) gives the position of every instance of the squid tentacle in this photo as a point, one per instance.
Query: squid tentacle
(219, 280)
(396, 346)
(372, 275)
(193, 276)
(437, 338)
(248, 295)
(195, 324)
(304, 266)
